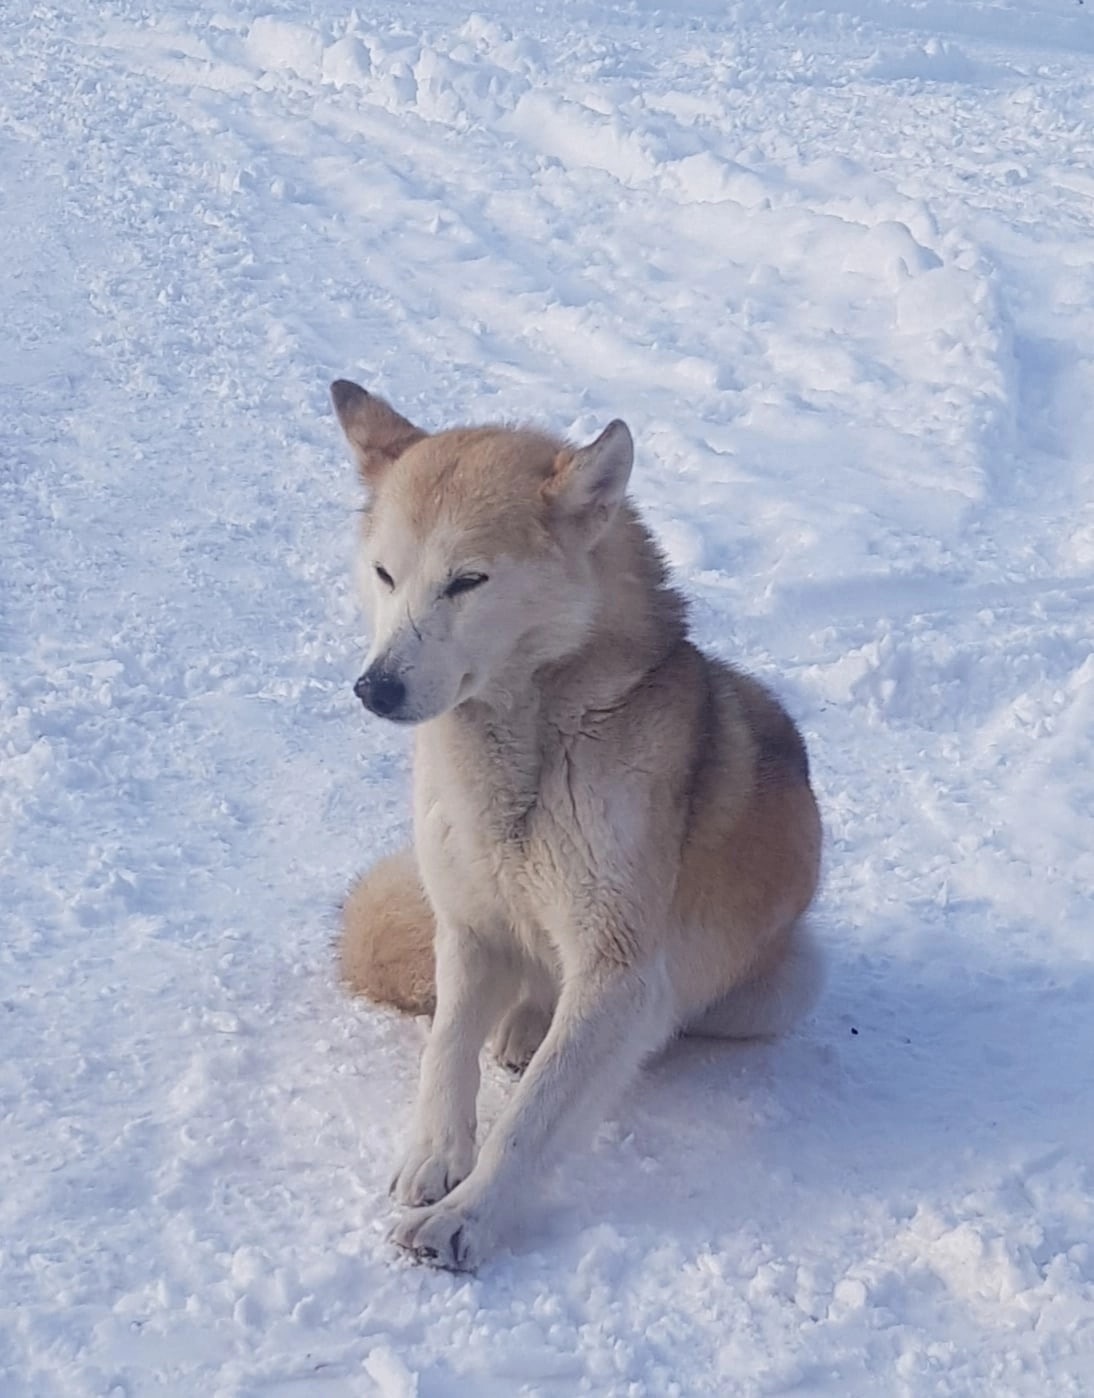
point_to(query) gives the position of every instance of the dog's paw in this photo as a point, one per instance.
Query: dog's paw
(519, 1035)
(445, 1235)
(429, 1173)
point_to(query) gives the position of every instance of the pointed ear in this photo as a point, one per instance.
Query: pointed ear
(375, 431)
(588, 483)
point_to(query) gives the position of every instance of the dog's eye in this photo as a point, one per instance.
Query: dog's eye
(464, 584)
(384, 576)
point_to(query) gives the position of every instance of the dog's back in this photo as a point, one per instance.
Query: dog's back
(751, 860)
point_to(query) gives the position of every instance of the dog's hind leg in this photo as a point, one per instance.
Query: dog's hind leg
(520, 1033)
(525, 1024)
(772, 1002)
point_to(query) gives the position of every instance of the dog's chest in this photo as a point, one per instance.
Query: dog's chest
(493, 836)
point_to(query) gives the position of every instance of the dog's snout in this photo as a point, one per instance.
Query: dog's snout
(382, 693)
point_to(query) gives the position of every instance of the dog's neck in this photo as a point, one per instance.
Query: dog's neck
(638, 621)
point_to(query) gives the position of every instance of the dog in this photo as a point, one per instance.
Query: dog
(615, 836)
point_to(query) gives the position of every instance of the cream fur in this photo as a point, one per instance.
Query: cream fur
(615, 836)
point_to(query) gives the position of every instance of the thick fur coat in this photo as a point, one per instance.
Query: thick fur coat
(615, 836)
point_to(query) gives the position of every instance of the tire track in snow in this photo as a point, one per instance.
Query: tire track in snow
(203, 1126)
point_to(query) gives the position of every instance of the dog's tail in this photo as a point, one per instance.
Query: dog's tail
(387, 937)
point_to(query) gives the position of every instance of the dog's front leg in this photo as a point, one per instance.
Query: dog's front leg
(609, 1018)
(474, 986)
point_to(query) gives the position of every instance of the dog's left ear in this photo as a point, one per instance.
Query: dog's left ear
(376, 432)
(589, 483)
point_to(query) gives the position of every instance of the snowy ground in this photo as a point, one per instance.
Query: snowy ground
(835, 265)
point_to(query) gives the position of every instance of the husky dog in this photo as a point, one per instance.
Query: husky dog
(615, 836)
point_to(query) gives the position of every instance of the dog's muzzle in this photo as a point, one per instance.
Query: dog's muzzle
(381, 693)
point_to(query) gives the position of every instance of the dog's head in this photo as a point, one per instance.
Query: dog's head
(476, 552)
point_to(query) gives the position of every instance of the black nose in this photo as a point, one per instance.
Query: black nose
(380, 692)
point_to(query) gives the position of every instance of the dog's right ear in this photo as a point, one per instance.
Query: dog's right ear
(375, 431)
(588, 483)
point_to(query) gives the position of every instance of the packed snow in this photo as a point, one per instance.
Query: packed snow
(834, 263)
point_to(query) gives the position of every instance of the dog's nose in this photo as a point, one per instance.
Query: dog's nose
(380, 692)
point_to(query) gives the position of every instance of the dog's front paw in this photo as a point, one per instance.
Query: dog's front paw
(429, 1172)
(446, 1235)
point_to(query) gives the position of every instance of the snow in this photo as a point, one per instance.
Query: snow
(834, 263)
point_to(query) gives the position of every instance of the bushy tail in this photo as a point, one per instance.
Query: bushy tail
(387, 937)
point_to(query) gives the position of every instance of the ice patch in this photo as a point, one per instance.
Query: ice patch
(392, 1377)
(280, 46)
(936, 60)
(704, 179)
(889, 253)
(581, 137)
(346, 62)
